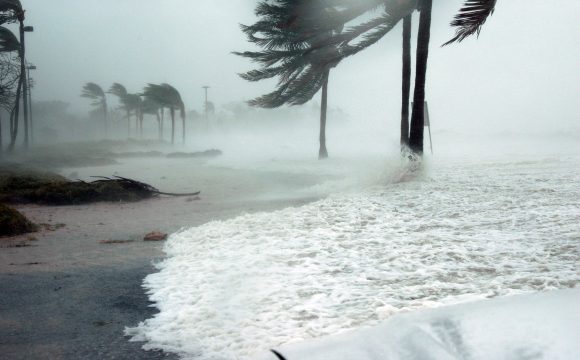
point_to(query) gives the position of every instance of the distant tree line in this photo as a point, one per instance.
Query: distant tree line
(302, 40)
(153, 100)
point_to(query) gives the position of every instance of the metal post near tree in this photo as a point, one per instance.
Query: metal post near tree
(427, 123)
(30, 85)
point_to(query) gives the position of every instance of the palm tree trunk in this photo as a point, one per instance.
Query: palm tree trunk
(322, 152)
(137, 123)
(141, 124)
(105, 117)
(162, 121)
(172, 112)
(1, 145)
(418, 117)
(128, 124)
(183, 124)
(159, 129)
(406, 91)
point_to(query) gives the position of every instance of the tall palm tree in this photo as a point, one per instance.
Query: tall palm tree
(423, 38)
(94, 92)
(285, 48)
(283, 31)
(167, 97)
(468, 21)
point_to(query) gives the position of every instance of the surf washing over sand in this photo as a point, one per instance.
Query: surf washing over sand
(464, 229)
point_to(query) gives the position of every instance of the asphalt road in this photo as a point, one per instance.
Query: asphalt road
(73, 315)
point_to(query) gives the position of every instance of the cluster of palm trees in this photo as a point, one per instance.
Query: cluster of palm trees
(14, 84)
(153, 100)
(302, 40)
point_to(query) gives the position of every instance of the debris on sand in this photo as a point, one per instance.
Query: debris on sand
(111, 242)
(155, 236)
(12, 222)
(51, 189)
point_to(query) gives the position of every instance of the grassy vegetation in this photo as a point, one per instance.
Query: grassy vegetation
(14, 223)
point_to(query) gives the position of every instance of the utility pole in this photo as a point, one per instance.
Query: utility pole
(206, 107)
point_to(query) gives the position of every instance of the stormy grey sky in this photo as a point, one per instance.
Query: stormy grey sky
(523, 70)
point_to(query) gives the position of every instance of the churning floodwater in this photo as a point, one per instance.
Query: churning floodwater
(459, 230)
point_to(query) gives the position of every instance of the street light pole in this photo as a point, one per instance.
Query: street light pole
(30, 84)
(206, 107)
(23, 79)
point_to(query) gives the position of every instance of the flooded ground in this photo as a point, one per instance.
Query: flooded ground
(463, 229)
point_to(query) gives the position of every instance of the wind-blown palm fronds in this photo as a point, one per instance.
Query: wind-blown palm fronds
(94, 92)
(302, 39)
(131, 103)
(471, 18)
(167, 97)
(8, 41)
(10, 11)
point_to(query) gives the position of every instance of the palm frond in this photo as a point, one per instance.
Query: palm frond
(8, 41)
(471, 18)
(10, 11)
(94, 92)
(118, 90)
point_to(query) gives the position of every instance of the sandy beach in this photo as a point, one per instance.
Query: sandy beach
(66, 295)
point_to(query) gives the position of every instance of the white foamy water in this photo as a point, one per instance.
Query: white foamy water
(463, 230)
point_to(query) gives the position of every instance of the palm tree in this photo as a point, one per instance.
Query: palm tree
(283, 32)
(469, 21)
(284, 46)
(167, 97)
(418, 118)
(94, 92)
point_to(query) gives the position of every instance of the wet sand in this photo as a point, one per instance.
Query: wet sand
(68, 296)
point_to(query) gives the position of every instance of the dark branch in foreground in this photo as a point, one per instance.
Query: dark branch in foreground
(278, 355)
(140, 186)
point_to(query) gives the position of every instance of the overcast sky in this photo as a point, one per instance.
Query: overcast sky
(523, 70)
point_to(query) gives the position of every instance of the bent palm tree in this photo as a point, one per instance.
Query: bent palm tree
(167, 97)
(94, 92)
(284, 32)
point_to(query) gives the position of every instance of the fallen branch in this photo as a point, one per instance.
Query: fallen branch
(141, 185)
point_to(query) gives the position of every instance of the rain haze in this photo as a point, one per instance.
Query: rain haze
(148, 211)
(518, 75)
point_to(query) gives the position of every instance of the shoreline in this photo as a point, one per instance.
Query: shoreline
(69, 296)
